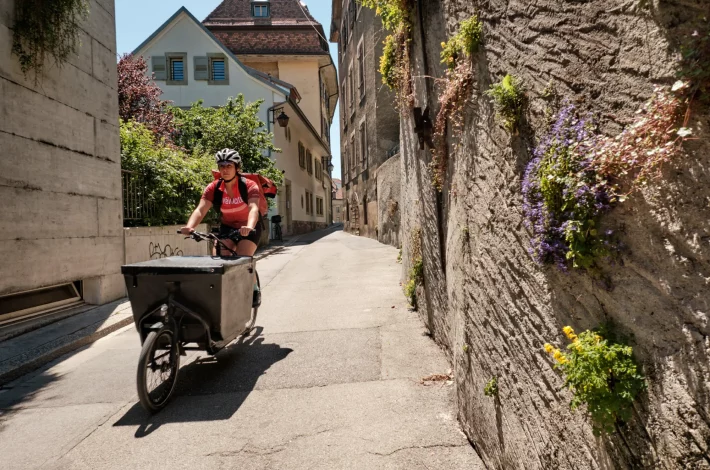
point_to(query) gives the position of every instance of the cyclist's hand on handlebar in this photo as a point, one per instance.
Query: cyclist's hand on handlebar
(245, 231)
(187, 230)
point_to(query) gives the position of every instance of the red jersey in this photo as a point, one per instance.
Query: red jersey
(235, 212)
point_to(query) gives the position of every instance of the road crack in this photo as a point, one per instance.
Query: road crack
(433, 446)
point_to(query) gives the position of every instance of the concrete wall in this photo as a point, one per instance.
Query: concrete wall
(146, 243)
(303, 74)
(483, 290)
(60, 176)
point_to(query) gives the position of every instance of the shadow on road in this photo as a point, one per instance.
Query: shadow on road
(234, 371)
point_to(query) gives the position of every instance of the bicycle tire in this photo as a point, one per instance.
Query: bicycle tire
(150, 346)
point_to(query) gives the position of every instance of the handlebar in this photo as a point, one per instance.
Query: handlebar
(233, 235)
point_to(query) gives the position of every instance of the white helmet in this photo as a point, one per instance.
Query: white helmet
(228, 156)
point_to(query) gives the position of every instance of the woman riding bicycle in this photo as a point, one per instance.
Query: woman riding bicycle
(236, 214)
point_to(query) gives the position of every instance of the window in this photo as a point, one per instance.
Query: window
(353, 153)
(344, 105)
(351, 96)
(319, 206)
(344, 32)
(361, 69)
(301, 155)
(309, 162)
(344, 163)
(309, 208)
(176, 68)
(337, 209)
(217, 72)
(352, 13)
(364, 209)
(213, 67)
(363, 144)
(260, 9)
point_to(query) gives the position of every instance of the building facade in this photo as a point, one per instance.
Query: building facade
(369, 123)
(282, 40)
(190, 63)
(338, 202)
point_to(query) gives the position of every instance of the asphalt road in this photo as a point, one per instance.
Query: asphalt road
(331, 379)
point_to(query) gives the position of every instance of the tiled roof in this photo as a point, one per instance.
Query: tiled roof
(238, 13)
(271, 40)
(290, 28)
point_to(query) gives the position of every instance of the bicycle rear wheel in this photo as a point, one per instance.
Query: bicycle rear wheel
(158, 366)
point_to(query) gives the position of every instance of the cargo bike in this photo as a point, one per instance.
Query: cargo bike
(185, 303)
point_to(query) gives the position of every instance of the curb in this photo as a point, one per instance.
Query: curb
(80, 341)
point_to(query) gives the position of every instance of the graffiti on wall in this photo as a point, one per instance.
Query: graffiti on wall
(155, 251)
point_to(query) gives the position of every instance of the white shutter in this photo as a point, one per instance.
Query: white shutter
(201, 68)
(159, 67)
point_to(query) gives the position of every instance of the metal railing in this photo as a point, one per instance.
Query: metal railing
(135, 205)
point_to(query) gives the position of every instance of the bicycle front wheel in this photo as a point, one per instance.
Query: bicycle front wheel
(158, 367)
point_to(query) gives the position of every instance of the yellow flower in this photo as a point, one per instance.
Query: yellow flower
(573, 337)
(598, 338)
(557, 355)
(549, 348)
(567, 330)
(562, 360)
(443, 44)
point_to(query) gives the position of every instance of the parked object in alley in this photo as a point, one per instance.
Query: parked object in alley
(206, 301)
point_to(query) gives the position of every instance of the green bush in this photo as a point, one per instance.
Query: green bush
(602, 374)
(170, 180)
(509, 101)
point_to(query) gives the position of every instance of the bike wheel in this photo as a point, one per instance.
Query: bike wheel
(158, 367)
(254, 310)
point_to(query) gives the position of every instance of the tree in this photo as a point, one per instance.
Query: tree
(235, 125)
(139, 98)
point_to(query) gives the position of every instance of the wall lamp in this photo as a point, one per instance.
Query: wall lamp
(282, 118)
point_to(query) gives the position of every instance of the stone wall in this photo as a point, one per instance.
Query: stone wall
(60, 176)
(388, 197)
(486, 301)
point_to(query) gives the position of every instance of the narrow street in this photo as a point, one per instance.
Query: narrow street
(331, 379)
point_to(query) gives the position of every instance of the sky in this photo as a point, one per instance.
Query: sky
(138, 19)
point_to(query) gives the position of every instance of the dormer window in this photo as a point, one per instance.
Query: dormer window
(260, 9)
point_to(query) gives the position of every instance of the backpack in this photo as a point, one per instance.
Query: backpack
(267, 188)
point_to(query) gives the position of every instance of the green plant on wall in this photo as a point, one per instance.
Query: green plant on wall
(394, 62)
(464, 43)
(457, 54)
(509, 101)
(46, 29)
(491, 388)
(602, 374)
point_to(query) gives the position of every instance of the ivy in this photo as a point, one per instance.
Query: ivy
(491, 388)
(602, 374)
(416, 272)
(44, 29)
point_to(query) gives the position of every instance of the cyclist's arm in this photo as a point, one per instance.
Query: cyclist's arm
(253, 213)
(197, 215)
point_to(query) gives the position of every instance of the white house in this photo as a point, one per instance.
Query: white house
(189, 64)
